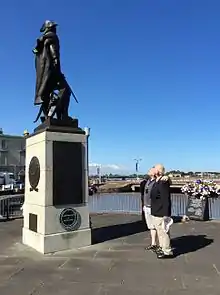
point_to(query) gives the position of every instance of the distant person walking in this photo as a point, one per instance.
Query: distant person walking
(161, 212)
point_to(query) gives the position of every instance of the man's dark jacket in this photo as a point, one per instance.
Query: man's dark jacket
(160, 199)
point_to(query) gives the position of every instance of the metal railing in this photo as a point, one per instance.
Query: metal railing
(128, 203)
(179, 203)
(11, 205)
(214, 209)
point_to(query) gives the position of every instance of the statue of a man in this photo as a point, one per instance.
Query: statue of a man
(49, 77)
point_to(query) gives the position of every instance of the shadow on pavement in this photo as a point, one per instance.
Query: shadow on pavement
(111, 232)
(190, 243)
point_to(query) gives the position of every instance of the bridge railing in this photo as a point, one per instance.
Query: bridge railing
(11, 205)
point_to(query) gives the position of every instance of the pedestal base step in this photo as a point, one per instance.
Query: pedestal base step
(64, 126)
(46, 244)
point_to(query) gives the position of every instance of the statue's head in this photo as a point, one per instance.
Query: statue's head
(48, 25)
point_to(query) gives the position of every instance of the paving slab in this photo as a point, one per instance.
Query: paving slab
(116, 263)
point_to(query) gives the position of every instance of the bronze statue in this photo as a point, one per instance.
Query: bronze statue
(52, 90)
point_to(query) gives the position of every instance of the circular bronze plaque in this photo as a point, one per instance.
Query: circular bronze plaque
(70, 219)
(34, 172)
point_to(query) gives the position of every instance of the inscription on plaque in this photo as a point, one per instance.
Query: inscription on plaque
(67, 173)
(34, 173)
(70, 219)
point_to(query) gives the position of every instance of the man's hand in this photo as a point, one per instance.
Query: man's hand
(165, 178)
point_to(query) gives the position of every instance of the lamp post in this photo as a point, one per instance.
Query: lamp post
(87, 132)
(98, 171)
(26, 133)
(137, 161)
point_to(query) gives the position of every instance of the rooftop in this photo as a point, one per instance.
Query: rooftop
(3, 135)
(117, 262)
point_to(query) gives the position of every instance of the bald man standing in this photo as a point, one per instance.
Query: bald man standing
(161, 211)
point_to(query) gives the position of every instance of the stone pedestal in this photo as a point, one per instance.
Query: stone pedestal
(56, 214)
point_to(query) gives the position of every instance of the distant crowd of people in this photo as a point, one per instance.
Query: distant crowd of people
(156, 206)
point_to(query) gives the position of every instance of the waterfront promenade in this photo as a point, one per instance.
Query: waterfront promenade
(117, 262)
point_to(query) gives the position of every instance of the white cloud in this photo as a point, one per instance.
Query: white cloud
(105, 168)
(93, 164)
(113, 166)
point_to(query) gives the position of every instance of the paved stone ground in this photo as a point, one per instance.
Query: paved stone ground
(117, 264)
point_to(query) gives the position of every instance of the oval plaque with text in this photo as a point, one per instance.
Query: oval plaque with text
(70, 219)
(34, 173)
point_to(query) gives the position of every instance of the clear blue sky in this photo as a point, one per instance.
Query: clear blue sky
(146, 73)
